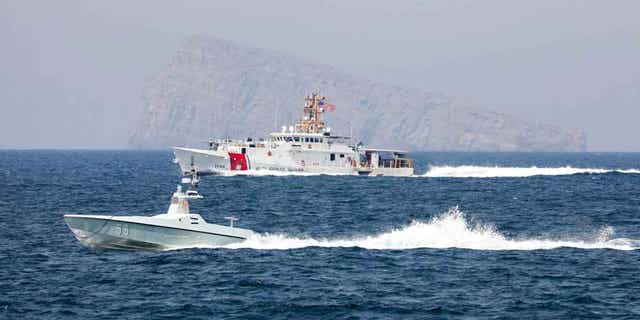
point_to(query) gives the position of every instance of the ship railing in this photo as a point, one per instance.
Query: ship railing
(396, 163)
(238, 143)
(227, 141)
(388, 163)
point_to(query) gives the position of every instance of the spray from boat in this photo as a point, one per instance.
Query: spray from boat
(448, 230)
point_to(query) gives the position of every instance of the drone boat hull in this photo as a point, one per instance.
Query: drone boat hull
(151, 233)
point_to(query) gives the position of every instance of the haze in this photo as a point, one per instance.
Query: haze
(73, 71)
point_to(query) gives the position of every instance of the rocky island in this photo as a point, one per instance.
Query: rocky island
(217, 88)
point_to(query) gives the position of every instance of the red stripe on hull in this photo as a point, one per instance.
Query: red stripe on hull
(238, 161)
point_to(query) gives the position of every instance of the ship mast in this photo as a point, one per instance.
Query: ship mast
(311, 123)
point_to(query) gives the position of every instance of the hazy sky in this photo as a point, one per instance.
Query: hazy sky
(73, 71)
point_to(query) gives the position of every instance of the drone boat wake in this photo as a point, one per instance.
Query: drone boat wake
(448, 230)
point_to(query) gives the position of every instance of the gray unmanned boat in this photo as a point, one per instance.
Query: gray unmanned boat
(178, 228)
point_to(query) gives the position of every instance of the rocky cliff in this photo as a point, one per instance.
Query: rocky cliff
(216, 88)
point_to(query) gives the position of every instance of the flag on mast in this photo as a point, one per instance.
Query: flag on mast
(327, 106)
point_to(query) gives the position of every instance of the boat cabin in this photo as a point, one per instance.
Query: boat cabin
(385, 158)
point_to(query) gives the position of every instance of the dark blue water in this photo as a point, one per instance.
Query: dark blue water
(559, 246)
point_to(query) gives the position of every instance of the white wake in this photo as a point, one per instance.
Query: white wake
(465, 171)
(504, 172)
(449, 230)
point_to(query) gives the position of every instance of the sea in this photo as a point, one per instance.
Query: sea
(469, 236)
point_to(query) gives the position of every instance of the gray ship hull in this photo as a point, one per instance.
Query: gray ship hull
(150, 233)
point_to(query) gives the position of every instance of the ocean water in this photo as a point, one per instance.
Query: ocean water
(471, 235)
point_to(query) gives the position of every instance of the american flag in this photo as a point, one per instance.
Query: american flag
(328, 106)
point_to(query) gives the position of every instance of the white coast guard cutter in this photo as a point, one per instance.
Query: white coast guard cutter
(306, 147)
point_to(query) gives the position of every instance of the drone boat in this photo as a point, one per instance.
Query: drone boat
(178, 228)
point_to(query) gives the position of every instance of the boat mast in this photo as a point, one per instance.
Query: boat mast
(311, 122)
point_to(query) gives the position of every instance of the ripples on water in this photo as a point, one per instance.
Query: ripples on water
(483, 235)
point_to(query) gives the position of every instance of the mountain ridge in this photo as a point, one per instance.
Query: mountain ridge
(218, 88)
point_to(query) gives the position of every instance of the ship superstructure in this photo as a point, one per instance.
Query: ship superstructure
(306, 147)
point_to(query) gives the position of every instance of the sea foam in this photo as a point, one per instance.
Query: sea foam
(448, 230)
(468, 171)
